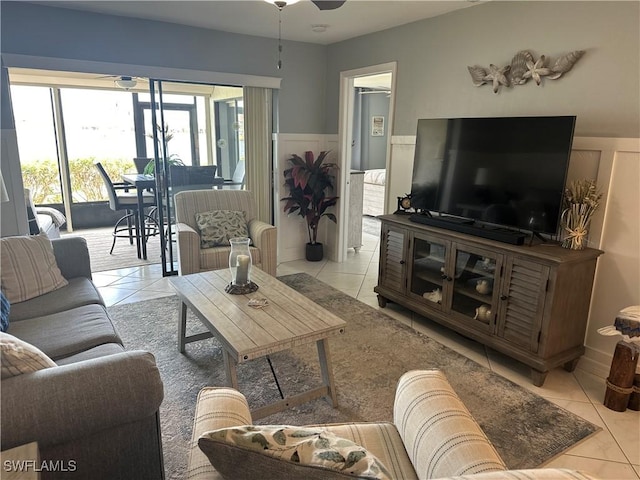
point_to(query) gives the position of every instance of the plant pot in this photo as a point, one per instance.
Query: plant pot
(314, 252)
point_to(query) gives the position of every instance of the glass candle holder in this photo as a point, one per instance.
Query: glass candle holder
(240, 261)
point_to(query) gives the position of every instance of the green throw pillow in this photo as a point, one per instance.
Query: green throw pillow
(218, 226)
(285, 452)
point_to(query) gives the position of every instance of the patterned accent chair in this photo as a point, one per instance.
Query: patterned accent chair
(192, 258)
(433, 435)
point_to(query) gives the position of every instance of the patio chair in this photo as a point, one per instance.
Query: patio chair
(120, 198)
(236, 182)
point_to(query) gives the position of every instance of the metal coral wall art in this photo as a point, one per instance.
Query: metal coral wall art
(522, 68)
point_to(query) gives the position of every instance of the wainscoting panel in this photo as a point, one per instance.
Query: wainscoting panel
(615, 230)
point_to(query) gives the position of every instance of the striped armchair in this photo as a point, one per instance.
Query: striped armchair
(192, 258)
(433, 435)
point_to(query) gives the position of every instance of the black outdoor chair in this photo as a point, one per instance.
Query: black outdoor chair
(202, 176)
(120, 198)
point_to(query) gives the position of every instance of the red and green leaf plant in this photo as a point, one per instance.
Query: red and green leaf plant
(309, 182)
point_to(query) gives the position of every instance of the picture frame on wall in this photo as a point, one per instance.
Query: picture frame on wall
(377, 126)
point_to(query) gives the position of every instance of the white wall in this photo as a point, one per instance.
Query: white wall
(615, 164)
(616, 231)
(62, 36)
(432, 56)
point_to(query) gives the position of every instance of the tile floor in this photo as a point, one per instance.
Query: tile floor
(612, 453)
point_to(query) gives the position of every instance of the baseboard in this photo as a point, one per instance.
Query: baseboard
(596, 362)
(291, 254)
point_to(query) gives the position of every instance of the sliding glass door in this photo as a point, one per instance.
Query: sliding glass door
(196, 138)
(198, 126)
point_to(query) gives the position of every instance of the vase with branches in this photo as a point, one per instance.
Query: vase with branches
(581, 200)
(310, 181)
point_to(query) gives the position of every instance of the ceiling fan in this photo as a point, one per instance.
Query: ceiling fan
(321, 4)
(124, 81)
(328, 4)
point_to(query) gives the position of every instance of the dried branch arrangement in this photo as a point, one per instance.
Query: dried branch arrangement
(522, 68)
(581, 200)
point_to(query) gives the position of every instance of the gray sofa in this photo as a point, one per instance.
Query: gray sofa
(96, 413)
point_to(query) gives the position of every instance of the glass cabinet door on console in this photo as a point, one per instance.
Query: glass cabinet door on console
(429, 258)
(472, 275)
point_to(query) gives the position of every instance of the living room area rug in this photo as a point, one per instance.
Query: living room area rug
(375, 350)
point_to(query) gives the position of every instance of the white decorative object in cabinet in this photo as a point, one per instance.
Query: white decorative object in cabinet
(355, 210)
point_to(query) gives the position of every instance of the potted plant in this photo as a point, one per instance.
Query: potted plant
(308, 182)
(172, 159)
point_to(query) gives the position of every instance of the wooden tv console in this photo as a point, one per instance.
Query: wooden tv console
(530, 302)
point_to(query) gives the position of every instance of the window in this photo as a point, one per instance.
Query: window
(113, 126)
(32, 110)
(99, 128)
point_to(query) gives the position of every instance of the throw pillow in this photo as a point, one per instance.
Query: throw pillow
(5, 306)
(20, 357)
(283, 452)
(29, 267)
(218, 226)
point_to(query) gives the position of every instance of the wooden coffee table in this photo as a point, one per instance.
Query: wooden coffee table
(246, 333)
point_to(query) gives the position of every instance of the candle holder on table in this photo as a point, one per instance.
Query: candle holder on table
(240, 267)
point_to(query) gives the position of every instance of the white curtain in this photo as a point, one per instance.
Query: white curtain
(258, 164)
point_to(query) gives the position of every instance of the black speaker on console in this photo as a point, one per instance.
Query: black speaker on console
(452, 223)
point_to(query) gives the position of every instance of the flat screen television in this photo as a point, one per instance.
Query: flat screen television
(506, 171)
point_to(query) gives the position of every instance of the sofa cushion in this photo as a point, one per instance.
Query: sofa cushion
(18, 357)
(67, 333)
(78, 292)
(29, 267)
(282, 452)
(218, 226)
(95, 352)
(5, 307)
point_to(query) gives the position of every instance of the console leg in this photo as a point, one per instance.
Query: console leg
(571, 365)
(382, 302)
(537, 377)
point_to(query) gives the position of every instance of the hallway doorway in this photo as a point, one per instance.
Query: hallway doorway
(365, 129)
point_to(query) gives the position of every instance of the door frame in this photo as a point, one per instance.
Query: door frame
(345, 137)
